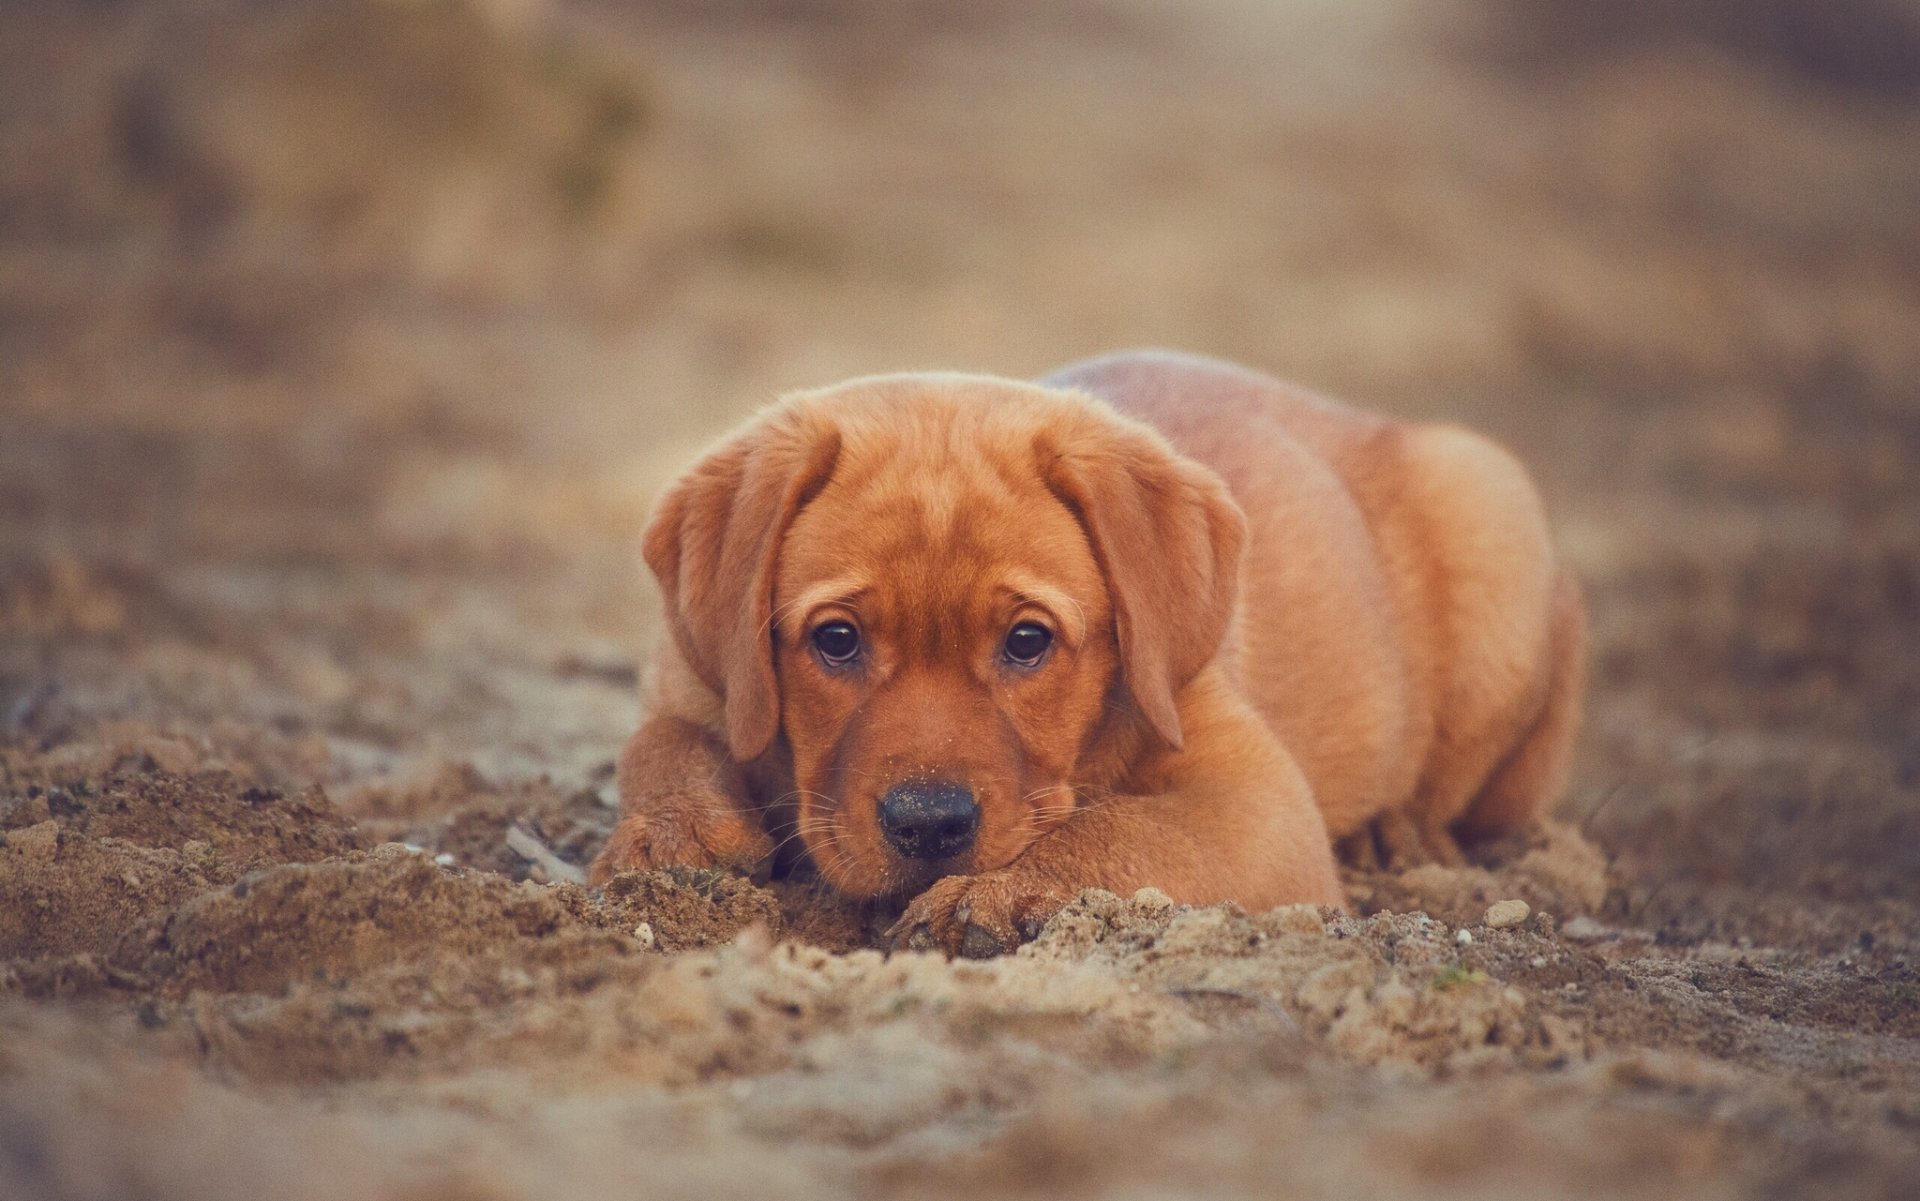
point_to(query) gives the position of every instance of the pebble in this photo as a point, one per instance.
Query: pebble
(444, 859)
(1502, 914)
(1298, 919)
(1464, 938)
(644, 932)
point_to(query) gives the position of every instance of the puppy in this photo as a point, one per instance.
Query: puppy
(1155, 620)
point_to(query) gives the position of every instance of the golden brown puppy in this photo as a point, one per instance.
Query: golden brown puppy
(1156, 620)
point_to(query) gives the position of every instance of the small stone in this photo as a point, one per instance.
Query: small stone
(1502, 914)
(644, 932)
(1538, 961)
(444, 859)
(1298, 919)
(1464, 938)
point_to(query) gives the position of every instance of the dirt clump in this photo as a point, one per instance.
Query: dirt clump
(1385, 989)
(87, 860)
(240, 824)
(1551, 866)
(457, 811)
(336, 919)
(61, 895)
(677, 909)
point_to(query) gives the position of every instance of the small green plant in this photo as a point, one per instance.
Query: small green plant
(1455, 975)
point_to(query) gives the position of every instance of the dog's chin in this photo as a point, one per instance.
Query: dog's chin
(892, 878)
(911, 877)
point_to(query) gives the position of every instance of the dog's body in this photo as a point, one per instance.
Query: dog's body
(1406, 627)
(1262, 620)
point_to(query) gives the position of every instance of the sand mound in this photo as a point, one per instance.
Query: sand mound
(85, 861)
(455, 810)
(200, 919)
(256, 921)
(1551, 866)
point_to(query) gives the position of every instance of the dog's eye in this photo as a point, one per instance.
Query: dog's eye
(1027, 642)
(837, 643)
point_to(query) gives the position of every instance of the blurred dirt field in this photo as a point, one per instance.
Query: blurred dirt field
(344, 345)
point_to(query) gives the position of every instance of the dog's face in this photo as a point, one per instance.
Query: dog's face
(942, 591)
(944, 647)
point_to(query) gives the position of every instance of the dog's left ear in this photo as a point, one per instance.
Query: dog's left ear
(1168, 536)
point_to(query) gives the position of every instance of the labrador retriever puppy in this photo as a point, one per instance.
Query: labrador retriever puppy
(1154, 620)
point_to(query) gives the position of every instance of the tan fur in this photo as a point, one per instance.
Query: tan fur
(1276, 620)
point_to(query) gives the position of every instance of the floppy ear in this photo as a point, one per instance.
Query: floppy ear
(712, 545)
(1167, 536)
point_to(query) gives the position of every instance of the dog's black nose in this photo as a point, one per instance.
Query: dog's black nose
(930, 820)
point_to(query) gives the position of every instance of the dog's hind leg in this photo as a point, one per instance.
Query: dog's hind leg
(1534, 774)
(1488, 600)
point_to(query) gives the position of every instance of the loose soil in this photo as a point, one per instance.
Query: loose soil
(343, 347)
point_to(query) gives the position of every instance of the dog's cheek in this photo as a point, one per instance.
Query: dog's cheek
(1054, 720)
(844, 841)
(1014, 847)
(809, 728)
(1006, 827)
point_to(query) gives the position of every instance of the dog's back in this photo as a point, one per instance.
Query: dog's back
(1404, 623)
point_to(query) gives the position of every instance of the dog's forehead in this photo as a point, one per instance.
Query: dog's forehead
(935, 500)
(930, 528)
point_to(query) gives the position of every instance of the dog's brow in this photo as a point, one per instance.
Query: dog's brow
(842, 590)
(1067, 609)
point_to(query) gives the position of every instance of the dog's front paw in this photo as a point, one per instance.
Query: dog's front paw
(708, 837)
(979, 916)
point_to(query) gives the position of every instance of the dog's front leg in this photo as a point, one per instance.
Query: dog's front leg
(1234, 821)
(684, 802)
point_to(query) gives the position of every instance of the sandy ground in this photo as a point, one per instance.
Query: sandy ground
(343, 347)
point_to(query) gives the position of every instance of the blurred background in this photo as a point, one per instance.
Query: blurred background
(344, 344)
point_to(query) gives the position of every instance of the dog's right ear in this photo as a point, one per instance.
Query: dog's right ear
(712, 544)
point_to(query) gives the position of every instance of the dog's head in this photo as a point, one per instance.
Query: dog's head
(943, 592)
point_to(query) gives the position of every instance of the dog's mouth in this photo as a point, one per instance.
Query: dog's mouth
(904, 878)
(875, 873)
